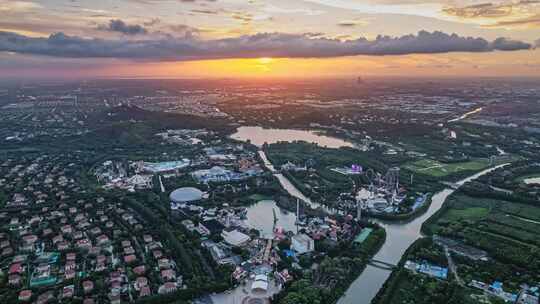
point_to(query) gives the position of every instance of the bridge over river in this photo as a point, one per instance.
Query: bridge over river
(382, 264)
(399, 236)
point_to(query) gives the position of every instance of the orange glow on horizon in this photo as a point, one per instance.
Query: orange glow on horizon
(524, 63)
(265, 60)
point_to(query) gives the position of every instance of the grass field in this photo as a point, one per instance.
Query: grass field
(473, 214)
(438, 169)
(507, 230)
(522, 178)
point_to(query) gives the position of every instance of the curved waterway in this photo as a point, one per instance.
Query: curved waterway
(259, 136)
(399, 236)
(477, 110)
(288, 186)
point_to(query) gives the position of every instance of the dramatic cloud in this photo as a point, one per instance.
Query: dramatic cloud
(259, 45)
(18, 6)
(117, 25)
(347, 23)
(352, 23)
(484, 10)
(205, 11)
(158, 1)
(152, 22)
(524, 13)
(530, 22)
(504, 44)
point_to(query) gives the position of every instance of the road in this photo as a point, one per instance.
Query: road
(452, 267)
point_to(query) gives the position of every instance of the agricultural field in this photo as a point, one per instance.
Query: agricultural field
(528, 177)
(405, 287)
(503, 226)
(470, 214)
(506, 230)
(438, 169)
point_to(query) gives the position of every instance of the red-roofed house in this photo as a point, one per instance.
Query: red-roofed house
(25, 295)
(168, 275)
(145, 291)
(16, 268)
(130, 258)
(88, 286)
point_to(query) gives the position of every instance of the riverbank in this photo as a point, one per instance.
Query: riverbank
(438, 285)
(387, 291)
(327, 280)
(400, 236)
(409, 216)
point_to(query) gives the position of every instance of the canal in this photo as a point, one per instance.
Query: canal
(399, 234)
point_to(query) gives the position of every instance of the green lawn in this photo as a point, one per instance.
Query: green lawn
(473, 214)
(522, 178)
(505, 229)
(438, 169)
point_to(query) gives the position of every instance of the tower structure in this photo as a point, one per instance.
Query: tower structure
(391, 180)
(359, 209)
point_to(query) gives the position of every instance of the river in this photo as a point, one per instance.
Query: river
(285, 182)
(290, 188)
(477, 110)
(399, 236)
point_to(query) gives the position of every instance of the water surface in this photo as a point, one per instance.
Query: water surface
(477, 110)
(287, 185)
(260, 216)
(258, 136)
(399, 236)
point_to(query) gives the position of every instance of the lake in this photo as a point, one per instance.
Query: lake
(260, 216)
(258, 136)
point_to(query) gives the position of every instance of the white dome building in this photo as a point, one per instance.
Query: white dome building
(185, 195)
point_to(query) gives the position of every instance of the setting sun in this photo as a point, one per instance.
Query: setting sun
(265, 60)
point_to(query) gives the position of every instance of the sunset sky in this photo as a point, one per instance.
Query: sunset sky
(268, 38)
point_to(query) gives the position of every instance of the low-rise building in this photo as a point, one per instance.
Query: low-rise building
(235, 238)
(302, 243)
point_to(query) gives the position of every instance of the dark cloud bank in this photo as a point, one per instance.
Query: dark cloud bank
(121, 27)
(259, 45)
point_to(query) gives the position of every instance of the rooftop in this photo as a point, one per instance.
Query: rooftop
(186, 194)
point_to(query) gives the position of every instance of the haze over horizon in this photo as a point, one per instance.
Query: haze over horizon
(264, 39)
(270, 151)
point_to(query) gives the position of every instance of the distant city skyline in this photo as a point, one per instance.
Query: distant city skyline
(272, 38)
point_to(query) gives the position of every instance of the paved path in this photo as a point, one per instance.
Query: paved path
(452, 267)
